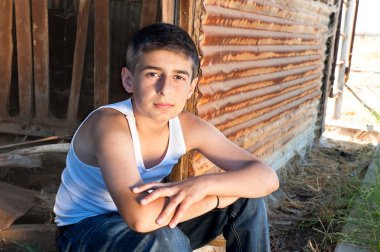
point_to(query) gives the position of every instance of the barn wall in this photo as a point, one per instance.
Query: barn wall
(262, 65)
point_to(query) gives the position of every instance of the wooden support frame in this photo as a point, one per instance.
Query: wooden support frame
(41, 58)
(101, 53)
(80, 46)
(41, 235)
(24, 58)
(6, 11)
(149, 13)
(188, 18)
(168, 11)
(30, 26)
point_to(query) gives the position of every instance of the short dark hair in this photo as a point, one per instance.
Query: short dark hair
(161, 36)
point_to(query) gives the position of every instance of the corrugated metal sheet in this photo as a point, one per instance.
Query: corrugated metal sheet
(262, 64)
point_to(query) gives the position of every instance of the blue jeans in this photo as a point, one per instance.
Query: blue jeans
(244, 224)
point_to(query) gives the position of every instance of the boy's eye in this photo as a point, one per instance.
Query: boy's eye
(152, 74)
(179, 77)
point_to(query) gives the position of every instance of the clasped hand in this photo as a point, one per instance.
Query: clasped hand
(180, 196)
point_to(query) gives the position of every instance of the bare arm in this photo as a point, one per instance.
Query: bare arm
(113, 148)
(245, 175)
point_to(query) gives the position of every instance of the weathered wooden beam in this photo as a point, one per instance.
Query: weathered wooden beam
(6, 50)
(40, 236)
(186, 21)
(24, 58)
(219, 241)
(30, 157)
(41, 57)
(37, 128)
(41, 212)
(180, 170)
(48, 148)
(148, 13)
(14, 202)
(26, 144)
(186, 15)
(79, 53)
(19, 161)
(101, 53)
(168, 11)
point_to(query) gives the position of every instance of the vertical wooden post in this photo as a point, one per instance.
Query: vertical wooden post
(6, 50)
(148, 13)
(101, 53)
(41, 57)
(24, 57)
(186, 15)
(80, 47)
(187, 19)
(168, 11)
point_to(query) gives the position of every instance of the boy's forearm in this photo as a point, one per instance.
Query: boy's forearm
(253, 181)
(207, 204)
(147, 215)
(249, 182)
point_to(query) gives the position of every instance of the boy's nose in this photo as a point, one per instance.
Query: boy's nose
(164, 86)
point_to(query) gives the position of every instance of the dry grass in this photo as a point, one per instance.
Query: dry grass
(316, 192)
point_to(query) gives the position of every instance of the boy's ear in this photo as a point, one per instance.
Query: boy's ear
(127, 79)
(192, 87)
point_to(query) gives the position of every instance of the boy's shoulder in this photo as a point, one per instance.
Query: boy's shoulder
(105, 121)
(194, 126)
(106, 113)
(188, 118)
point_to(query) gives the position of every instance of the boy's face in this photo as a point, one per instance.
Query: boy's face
(161, 84)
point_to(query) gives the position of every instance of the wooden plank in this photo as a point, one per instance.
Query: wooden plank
(168, 11)
(6, 50)
(43, 141)
(47, 148)
(24, 57)
(41, 57)
(188, 19)
(40, 236)
(18, 161)
(37, 128)
(148, 13)
(181, 169)
(219, 241)
(80, 48)
(186, 15)
(101, 53)
(42, 212)
(14, 202)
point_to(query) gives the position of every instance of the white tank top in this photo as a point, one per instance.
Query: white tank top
(83, 193)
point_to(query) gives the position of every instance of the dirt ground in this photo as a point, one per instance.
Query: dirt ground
(313, 191)
(307, 217)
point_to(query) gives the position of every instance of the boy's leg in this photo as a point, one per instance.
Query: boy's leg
(244, 224)
(109, 232)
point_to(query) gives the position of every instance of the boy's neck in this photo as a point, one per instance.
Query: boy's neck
(148, 126)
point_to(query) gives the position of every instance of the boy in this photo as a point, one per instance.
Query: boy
(111, 197)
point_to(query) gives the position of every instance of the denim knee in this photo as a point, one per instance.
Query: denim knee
(247, 207)
(247, 229)
(257, 204)
(168, 239)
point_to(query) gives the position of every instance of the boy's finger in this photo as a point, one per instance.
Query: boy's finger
(169, 209)
(179, 214)
(144, 187)
(161, 192)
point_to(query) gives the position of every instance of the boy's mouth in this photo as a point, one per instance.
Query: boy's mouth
(163, 105)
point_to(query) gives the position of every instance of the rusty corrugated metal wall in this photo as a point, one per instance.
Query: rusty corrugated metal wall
(262, 64)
